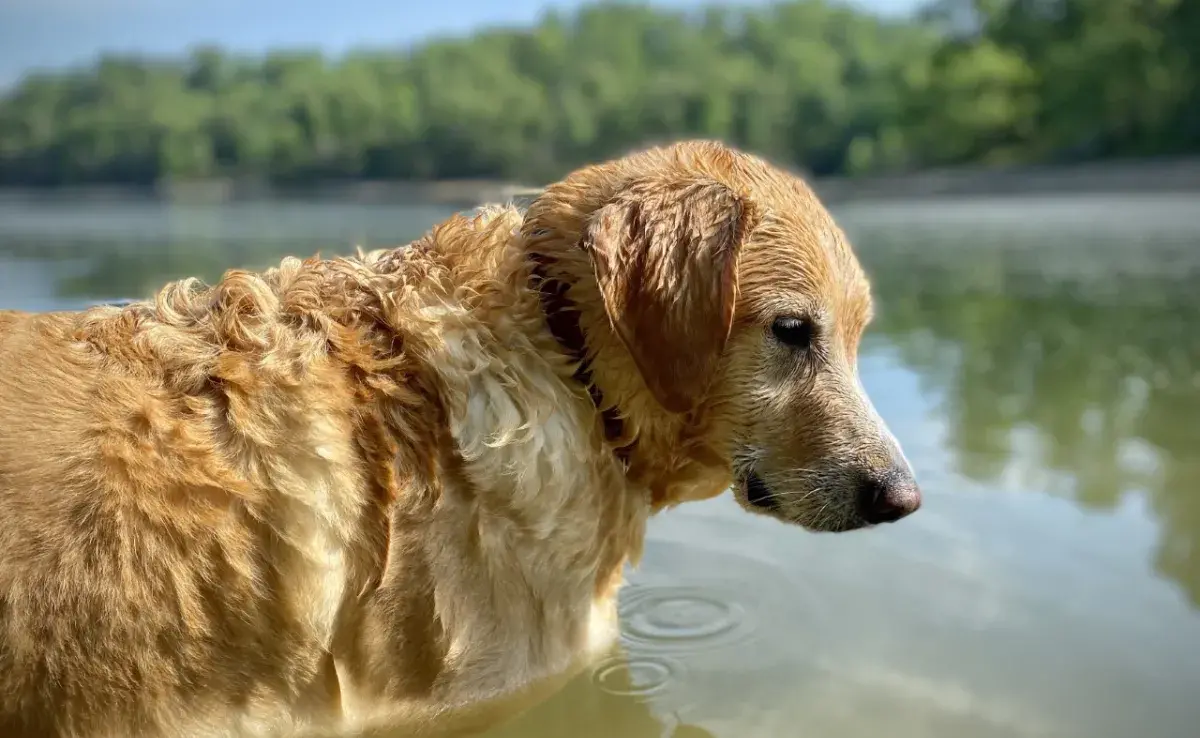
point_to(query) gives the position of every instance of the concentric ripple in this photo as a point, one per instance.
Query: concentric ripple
(685, 618)
(642, 676)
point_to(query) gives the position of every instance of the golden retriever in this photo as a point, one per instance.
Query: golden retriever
(397, 492)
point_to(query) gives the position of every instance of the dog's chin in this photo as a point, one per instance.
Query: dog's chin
(755, 495)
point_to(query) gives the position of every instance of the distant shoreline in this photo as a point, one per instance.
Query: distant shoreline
(1144, 176)
(1132, 176)
(460, 193)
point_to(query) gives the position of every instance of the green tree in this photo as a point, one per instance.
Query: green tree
(814, 83)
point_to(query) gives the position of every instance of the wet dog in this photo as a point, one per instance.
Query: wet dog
(398, 491)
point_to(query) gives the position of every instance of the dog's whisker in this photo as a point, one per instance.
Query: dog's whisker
(796, 494)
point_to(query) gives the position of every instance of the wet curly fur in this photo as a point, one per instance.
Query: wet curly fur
(372, 493)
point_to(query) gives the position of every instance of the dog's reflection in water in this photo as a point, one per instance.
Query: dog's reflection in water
(585, 709)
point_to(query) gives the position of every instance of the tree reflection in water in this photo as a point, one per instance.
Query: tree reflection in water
(1088, 345)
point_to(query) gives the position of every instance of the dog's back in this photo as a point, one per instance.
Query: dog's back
(8, 319)
(191, 487)
(148, 469)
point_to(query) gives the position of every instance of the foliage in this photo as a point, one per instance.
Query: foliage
(811, 82)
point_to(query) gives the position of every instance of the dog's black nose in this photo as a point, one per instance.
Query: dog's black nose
(887, 498)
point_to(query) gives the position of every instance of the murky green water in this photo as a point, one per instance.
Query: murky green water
(1040, 362)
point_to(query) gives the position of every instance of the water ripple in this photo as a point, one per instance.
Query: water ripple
(686, 618)
(640, 676)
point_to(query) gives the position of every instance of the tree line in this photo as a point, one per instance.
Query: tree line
(814, 83)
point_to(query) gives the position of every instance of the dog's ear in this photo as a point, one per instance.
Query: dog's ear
(665, 256)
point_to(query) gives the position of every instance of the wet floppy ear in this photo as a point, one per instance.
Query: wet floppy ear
(665, 256)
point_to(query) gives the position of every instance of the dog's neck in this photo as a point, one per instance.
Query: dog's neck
(563, 322)
(663, 451)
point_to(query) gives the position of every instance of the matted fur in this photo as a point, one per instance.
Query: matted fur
(368, 493)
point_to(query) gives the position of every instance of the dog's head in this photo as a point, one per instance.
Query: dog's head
(737, 297)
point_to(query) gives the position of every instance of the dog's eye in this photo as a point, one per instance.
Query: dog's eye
(795, 332)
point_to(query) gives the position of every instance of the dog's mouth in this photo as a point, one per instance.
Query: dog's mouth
(758, 493)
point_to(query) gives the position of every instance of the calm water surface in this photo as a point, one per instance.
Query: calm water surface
(1040, 362)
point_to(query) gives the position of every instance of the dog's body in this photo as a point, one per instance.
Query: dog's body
(381, 492)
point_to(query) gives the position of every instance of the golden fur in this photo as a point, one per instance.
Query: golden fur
(373, 493)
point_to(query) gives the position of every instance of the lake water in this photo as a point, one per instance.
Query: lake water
(1040, 362)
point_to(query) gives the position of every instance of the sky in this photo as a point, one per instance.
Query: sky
(56, 33)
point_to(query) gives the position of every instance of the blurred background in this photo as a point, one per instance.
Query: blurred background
(139, 92)
(1021, 178)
